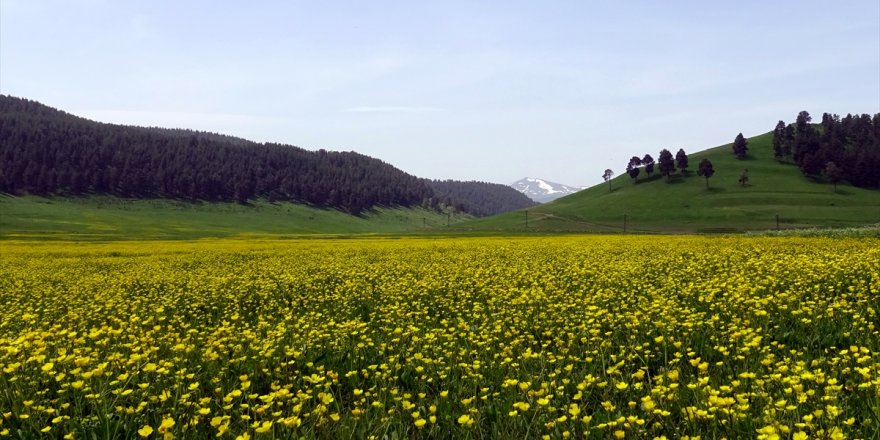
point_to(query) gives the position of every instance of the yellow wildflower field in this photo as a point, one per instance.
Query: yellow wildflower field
(525, 337)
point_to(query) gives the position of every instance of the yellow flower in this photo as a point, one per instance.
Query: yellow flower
(167, 422)
(465, 420)
(800, 435)
(265, 427)
(420, 423)
(292, 422)
(145, 431)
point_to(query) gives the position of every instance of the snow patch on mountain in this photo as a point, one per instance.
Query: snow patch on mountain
(543, 191)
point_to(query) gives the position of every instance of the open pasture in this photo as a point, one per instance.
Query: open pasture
(564, 337)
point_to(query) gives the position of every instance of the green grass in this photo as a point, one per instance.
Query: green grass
(684, 205)
(653, 204)
(109, 218)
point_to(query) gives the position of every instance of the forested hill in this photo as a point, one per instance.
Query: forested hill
(481, 198)
(45, 151)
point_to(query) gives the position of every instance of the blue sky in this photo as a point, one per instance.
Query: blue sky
(468, 90)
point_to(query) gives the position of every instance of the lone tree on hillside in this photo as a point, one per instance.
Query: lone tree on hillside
(705, 169)
(833, 173)
(681, 159)
(666, 163)
(648, 162)
(740, 146)
(744, 178)
(632, 168)
(607, 176)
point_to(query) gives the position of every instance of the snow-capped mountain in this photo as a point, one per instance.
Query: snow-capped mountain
(543, 191)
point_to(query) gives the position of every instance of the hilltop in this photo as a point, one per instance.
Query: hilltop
(683, 204)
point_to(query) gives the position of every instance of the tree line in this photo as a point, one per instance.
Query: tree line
(666, 164)
(480, 198)
(840, 149)
(45, 151)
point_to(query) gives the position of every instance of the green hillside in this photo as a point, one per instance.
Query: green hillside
(683, 204)
(110, 218)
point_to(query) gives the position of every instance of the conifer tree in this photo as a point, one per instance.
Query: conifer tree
(666, 163)
(705, 169)
(740, 146)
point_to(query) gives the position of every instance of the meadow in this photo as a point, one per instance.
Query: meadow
(492, 337)
(103, 218)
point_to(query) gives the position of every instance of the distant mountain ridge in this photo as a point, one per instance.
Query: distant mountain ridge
(543, 191)
(45, 151)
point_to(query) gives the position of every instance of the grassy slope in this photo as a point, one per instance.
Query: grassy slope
(107, 218)
(685, 205)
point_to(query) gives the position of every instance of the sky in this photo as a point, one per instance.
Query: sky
(468, 90)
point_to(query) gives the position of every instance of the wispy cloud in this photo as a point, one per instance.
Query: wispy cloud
(392, 109)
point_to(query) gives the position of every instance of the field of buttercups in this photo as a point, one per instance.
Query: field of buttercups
(563, 337)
